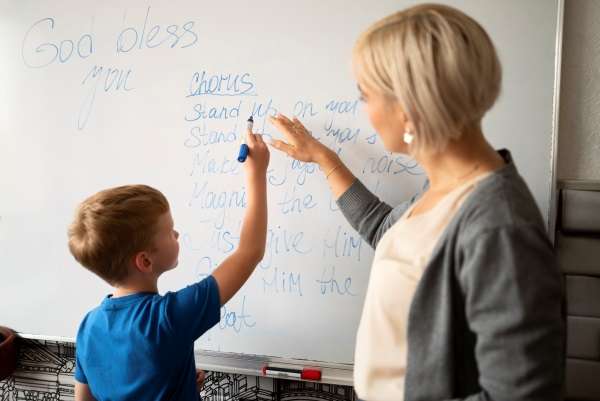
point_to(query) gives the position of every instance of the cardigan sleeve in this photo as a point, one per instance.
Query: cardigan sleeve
(513, 299)
(367, 214)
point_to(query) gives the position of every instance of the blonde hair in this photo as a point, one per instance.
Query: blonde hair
(438, 63)
(112, 225)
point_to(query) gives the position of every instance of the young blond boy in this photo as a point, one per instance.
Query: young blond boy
(137, 344)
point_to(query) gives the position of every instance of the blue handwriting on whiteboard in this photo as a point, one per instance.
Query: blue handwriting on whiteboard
(205, 164)
(391, 164)
(274, 179)
(224, 240)
(206, 199)
(202, 136)
(131, 38)
(260, 112)
(283, 241)
(341, 135)
(37, 55)
(112, 79)
(304, 170)
(237, 320)
(329, 284)
(303, 109)
(201, 111)
(341, 107)
(293, 203)
(282, 282)
(221, 84)
(343, 244)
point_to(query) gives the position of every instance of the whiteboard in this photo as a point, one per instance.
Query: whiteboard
(99, 94)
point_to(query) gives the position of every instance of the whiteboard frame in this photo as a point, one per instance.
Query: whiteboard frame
(553, 205)
(338, 373)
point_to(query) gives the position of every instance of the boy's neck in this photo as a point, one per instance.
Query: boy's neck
(134, 288)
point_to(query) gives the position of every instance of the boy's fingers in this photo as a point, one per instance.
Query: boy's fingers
(251, 139)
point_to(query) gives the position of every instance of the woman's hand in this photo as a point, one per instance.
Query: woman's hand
(303, 146)
(300, 143)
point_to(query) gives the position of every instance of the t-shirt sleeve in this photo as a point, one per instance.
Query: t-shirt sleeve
(79, 373)
(192, 311)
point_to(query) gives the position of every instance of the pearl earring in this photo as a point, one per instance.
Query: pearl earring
(408, 137)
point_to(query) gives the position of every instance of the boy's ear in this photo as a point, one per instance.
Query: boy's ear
(142, 262)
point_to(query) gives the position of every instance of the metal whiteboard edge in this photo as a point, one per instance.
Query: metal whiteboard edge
(41, 337)
(553, 207)
(331, 373)
(246, 364)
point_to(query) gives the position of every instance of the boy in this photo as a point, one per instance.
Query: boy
(139, 345)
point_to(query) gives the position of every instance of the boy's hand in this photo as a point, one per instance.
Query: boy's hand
(200, 376)
(258, 156)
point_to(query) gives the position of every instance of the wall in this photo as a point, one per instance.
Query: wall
(579, 118)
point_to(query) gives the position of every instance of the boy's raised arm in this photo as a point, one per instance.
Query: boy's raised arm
(235, 270)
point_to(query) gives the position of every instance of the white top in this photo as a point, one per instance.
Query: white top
(400, 258)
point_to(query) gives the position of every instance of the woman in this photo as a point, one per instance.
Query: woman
(464, 296)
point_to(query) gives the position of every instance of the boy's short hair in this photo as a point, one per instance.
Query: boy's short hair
(438, 63)
(111, 226)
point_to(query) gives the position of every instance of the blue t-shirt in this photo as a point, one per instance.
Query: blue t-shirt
(141, 346)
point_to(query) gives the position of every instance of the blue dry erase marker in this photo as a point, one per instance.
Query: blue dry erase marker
(243, 147)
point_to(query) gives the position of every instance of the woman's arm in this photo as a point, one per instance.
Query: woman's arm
(365, 212)
(513, 299)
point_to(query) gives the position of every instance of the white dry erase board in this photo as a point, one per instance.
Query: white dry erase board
(99, 94)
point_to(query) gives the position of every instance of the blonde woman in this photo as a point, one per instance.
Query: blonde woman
(464, 294)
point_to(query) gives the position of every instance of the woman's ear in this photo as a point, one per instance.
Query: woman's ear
(142, 262)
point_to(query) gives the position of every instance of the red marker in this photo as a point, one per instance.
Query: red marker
(289, 373)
